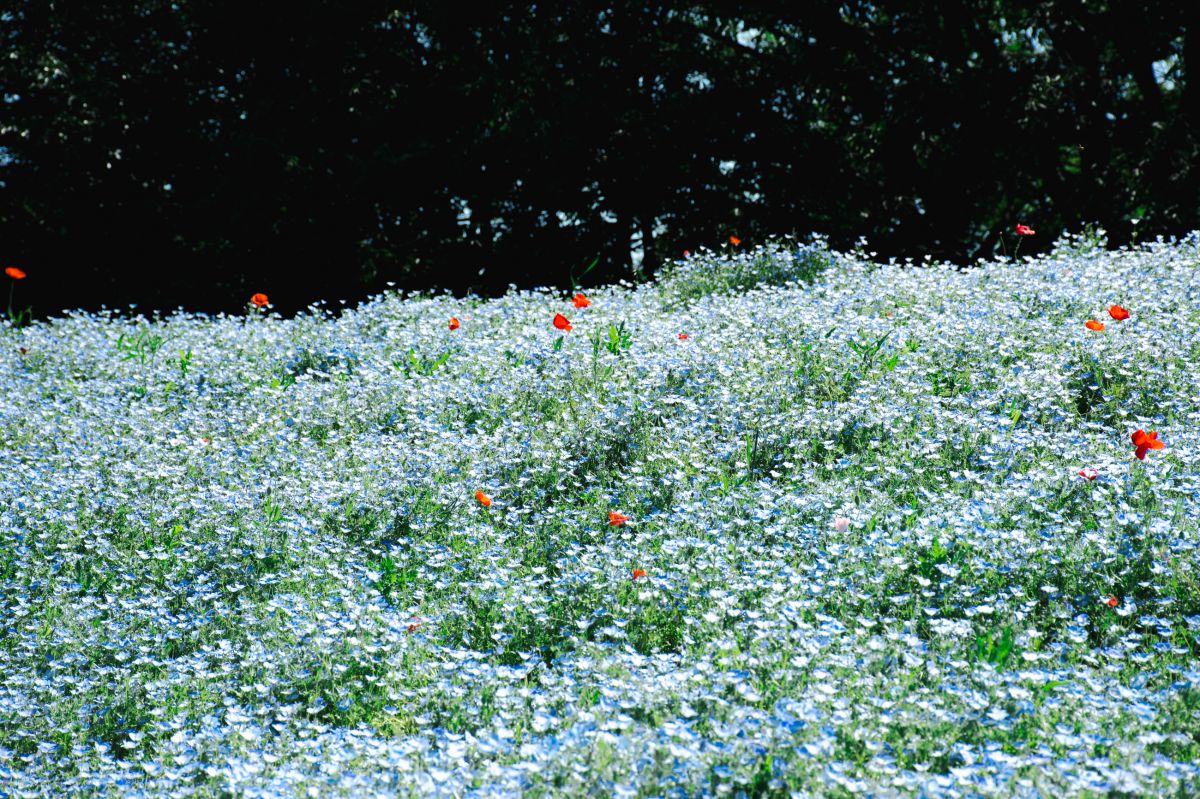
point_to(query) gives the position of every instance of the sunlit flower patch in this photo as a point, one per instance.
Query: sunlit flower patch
(863, 529)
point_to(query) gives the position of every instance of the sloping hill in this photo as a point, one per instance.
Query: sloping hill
(784, 522)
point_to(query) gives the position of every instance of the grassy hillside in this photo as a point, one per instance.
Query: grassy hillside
(785, 522)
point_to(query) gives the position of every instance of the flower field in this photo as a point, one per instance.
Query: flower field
(784, 522)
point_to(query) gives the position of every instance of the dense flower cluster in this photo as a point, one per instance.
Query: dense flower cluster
(863, 529)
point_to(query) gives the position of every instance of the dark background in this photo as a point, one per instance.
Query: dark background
(191, 153)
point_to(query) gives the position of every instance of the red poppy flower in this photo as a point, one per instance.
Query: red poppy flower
(14, 273)
(454, 325)
(1145, 442)
(22, 350)
(483, 499)
(1089, 474)
(639, 573)
(1118, 313)
(260, 300)
(1111, 602)
(734, 240)
(683, 336)
(616, 519)
(581, 301)
(562, 322)
(686, 254)
(1092, 324)
(1025, 230)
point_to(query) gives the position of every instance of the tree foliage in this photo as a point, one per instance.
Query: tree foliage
(190, 152)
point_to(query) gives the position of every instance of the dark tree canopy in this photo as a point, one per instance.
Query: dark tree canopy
(190, 153)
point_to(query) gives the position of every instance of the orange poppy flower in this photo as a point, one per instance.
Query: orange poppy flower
(1118, 313)
(1089, 474)
(1111, 602)
(581, 301)
(483, 499)
(454, 325)
(639, 573)
(1145, 442)
(1092, 324)
(616, 519)
(562, 322)
(14, 273)
(260, 300)
(1025, 230)
(415, 625)
(734, 240)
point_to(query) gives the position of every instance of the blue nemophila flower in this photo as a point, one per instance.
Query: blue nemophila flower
(312, 600)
